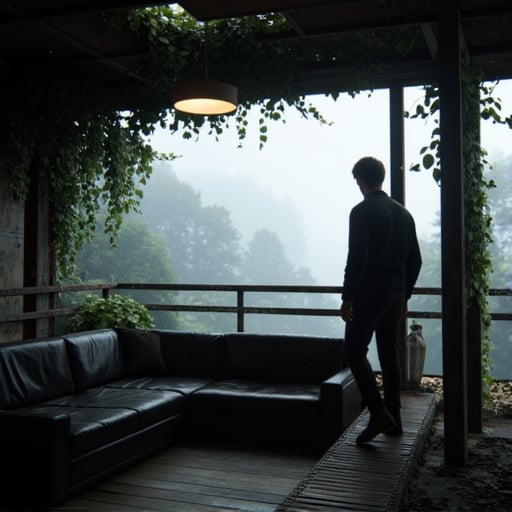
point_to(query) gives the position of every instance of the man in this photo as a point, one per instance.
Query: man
(383, 264)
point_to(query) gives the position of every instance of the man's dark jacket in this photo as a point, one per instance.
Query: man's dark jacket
(383, 250)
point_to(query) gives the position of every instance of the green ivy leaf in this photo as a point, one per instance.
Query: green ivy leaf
(428, 161)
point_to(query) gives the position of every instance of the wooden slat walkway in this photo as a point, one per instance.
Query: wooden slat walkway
(370, 478)
(210, 477)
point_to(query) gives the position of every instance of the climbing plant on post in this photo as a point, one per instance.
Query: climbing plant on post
(478, 236)
(479, 104)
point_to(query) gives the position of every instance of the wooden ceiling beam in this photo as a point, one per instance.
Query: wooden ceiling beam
(70, 9)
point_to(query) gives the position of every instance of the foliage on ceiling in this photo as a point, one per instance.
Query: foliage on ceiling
(89, 154)
(261, 56)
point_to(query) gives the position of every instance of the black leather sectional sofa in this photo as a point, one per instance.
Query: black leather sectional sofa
(75, 409)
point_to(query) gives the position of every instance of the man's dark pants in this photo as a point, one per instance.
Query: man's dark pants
(378, 311)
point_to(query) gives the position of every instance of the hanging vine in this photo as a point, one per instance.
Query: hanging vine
(90, 154)
(478, 103)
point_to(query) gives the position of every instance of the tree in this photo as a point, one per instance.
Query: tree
(500, 204)
(139, 256)
(202, 241)
(500, 201)
(265, 262)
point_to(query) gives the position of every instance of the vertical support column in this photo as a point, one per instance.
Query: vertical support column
(474, 329)
(11, 257)
(452, 240)
(397, 144)
(30, 257)
(37, 257)
(475, 379)
(240, 311)
(397, 177)
(473, 174)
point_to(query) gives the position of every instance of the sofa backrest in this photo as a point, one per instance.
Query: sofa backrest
(33, 371)
(282, 357)
(95, 357)
(192, 354)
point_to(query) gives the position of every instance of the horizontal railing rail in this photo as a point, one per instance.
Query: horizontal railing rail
(240, 308)
(49, 291)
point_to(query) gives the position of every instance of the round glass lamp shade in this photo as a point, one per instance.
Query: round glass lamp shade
(205, 97)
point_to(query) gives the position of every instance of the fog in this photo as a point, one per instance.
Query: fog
(300, 185)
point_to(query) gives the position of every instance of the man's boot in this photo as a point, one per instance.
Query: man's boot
(380, 421)
(397, 430)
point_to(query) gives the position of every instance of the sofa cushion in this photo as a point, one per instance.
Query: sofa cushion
(95, 357)
(282, 358)
(152, 406)
(91, 428)
(249, 398)
(33, 371)
(142, 352)
(183, 385)
(192, 354)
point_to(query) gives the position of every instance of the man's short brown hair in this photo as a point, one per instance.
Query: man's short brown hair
(370, 171)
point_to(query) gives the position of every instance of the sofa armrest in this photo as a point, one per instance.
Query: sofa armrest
(35, 458)
(340, 398)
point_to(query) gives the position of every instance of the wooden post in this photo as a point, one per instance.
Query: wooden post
(475, 378)
(37, 257)
(30, 256)
(397, 178)
(396, 134)
(240, 327)
(474, 312)
(452, 240)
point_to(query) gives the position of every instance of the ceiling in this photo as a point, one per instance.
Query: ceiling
(40, 37)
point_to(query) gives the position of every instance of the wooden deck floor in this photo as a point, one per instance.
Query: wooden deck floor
(211, 478)
(200, 477)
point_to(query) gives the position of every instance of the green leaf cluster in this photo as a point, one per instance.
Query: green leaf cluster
(262, 56)
(115, 311)
(85, 153)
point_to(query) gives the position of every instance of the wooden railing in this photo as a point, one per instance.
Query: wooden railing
(240, 309)
(50, 291)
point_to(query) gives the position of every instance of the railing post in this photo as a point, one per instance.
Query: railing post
(240, 311)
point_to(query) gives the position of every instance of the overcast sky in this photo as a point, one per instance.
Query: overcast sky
(307, 167)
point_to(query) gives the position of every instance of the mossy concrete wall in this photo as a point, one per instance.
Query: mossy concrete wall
(11, 258)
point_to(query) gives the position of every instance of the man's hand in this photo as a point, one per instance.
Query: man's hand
(346, 310)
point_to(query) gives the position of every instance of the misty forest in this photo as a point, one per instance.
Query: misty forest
(176, 238)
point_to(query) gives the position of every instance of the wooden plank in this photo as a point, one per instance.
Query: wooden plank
(202, 477)
(178, 489)
(368, 478)
(162, 499)
(218, 478)
(231, 458)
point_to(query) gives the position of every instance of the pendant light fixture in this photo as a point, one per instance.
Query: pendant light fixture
(205, 97)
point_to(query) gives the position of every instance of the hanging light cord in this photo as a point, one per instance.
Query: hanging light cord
(206, 50)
